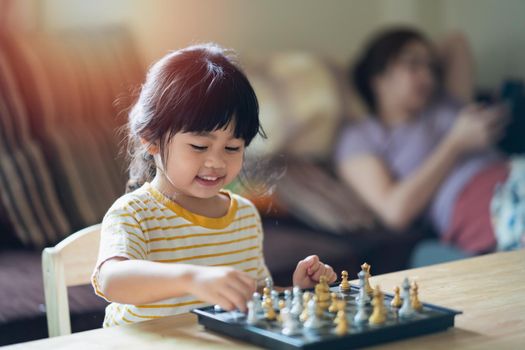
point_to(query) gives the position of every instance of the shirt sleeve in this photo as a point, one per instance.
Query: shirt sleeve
(121, 236)
(357, 140)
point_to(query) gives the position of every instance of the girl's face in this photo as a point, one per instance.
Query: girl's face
(199, 165)
(409, 81)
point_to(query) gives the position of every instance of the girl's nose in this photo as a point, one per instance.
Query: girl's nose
(214, 161)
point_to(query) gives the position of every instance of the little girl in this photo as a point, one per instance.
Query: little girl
(179, 241)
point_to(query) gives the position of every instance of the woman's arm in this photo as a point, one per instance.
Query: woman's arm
(458, 65)
(139, 282)
(398, 203)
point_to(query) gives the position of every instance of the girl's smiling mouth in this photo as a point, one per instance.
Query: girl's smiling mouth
(209, 180)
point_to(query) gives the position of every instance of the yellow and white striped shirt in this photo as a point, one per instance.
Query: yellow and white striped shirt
(146, 225)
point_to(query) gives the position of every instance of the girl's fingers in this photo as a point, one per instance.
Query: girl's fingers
(249, 283)
(235, 297)
(312, 270)
(240, 286)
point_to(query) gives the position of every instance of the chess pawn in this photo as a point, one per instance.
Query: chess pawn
(344, 287)
(275, 299)
(291, 325)
(269, 283)
(414, 298)
(266, 294)
(251, 318)
(282, 305)
(406, 310)
(333, 306)
(306, 298)
(366, 268)
(396, 301)
(341, 320)
(313, 321)
(297, 302)
(269, 312)
(378, 314)
(288, 298)
(361, 316)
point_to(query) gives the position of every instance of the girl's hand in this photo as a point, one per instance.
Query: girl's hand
(478, 128)
(223, 286)
(309, 270)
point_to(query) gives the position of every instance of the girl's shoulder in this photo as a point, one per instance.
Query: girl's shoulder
(133, 203)
(244, 205)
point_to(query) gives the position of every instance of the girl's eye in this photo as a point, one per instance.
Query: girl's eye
(233, 149)
(199, 148)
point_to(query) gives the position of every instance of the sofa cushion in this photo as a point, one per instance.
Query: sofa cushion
(59, 164)
(22, 305)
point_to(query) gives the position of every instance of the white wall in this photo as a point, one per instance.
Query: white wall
(335, 28)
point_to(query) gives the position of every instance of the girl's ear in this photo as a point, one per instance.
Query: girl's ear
(152, 148)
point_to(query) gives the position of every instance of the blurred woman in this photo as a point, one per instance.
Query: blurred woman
(425, 150)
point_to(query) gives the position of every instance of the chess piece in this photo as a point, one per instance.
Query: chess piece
(217, 308)
(341, 320)
(396, 301)
(282, 305)
(363, 295)
(275, 299)
(313, 322)
(267, 304)
(414, 297)
(291, 325)
(366, 268)
(251, 318)
(269, 283)
(288, 298)
(361, 316)
(334, 305)
(322, 292)
(378, 313)
(406, 310)
(344, 287)
(257, 304)
(297, 302)
(306, 298)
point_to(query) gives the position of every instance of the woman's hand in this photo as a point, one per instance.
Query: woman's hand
(478, 128)
(309, 270)
(223, 286)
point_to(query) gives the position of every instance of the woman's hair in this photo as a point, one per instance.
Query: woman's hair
(376, 57)
(196, 89)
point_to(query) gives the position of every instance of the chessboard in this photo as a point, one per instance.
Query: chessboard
(340, 316)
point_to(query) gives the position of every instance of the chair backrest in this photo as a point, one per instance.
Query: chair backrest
(69, 263)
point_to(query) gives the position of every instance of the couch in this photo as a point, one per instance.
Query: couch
(63, 97)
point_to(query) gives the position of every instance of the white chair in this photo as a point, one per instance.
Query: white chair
(69, 263)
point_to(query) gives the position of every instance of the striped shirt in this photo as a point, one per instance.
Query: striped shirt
(146, 225)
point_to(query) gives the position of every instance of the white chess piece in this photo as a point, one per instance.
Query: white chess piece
(297, 302)
(406, 310)
(291, 325)
(313, 322)
(361, 317)
(257, 303)
(251, 318)
(363, 295)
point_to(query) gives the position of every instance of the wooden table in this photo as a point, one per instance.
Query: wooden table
(490, 290)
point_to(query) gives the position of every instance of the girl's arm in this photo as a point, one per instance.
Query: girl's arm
(458, 65)
(398, 203)
(140, 282)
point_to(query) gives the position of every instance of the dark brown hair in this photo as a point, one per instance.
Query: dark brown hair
(376, 57)
(196, 89)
